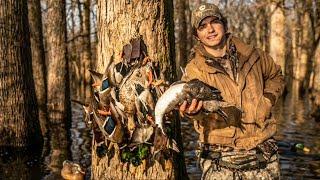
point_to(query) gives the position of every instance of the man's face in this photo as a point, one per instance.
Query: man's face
(211, 32)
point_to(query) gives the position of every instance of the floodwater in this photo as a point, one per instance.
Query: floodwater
(295, 126)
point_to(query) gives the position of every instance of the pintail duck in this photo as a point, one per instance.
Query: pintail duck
(175, 95)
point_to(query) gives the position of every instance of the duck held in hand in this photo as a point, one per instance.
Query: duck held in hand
(181, 91)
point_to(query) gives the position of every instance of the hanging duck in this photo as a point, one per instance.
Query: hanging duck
(128, 95)
(110, 124)
(144, 104)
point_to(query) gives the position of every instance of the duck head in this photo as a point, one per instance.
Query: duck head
(203, 91)
(72, 171)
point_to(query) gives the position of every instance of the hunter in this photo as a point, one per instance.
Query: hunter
(249, 79)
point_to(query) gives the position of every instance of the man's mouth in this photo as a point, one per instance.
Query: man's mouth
(212, 36)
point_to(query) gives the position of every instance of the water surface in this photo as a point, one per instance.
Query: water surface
(294, 126)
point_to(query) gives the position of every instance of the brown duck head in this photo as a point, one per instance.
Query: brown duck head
(72, 171)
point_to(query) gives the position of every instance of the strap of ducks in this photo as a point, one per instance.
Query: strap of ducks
(121, 111)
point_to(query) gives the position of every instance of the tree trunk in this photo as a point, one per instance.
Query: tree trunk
(305, 63)
(277, 34)
(316, 85)
(294, 43)
(86, 53)
(58, 78)
(261, 32)
(73, 54)
(38, 60)
(79, 50)
(19, 123)
(118, 22)
(189, 35)
(181, 39)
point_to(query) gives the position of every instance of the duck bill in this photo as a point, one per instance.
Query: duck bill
(150, 77)
(104, 113)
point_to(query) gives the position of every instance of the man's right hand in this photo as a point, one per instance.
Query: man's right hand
(190, 109)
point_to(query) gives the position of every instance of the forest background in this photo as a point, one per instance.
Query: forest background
(63, 40)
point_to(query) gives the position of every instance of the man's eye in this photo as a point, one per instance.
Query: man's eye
(201, 27)
(216, 21)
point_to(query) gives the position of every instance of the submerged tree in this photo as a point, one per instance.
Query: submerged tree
(58, 77)
(38, 60)
(86, 53)
(19, 124)
(181, 35)
(118, 22)
(277, 33)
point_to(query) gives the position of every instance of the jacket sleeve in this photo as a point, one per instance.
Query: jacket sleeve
(273, 78)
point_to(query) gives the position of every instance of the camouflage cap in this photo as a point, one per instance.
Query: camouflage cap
(202, 11)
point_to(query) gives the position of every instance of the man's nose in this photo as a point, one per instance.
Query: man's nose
(210, 28)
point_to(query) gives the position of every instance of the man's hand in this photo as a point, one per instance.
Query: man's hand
(191, 109)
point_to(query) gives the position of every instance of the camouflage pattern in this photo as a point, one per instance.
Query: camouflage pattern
(202, 11)
(211, 172)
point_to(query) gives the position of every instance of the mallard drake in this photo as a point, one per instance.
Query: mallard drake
(100, 85)
(116, 73)
(72, 171)
(97, 77)
(110, 126)
(293, 147)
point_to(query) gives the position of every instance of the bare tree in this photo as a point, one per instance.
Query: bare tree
(19, 124)
(58, 78)
(181, 38)
(86, 53)
(151, 20)
(277, 33)
(38, 60)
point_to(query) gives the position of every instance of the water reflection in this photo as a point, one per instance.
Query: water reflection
(80, 140)
(59, 151)
(20, 164)
(294, 126)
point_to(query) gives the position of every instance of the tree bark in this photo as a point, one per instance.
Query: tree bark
(118, 22)
(86, 53)
(277, 34)
(181, 39)
(305, 63)
(261, 31)
(19, 123)
(38, 60)
(295, 25)
(58, 77)
(80, 49)
(189, 35)
(316, 85)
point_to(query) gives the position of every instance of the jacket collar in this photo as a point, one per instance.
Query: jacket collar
(244, 53)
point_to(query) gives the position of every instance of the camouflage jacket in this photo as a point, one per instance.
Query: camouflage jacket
(257, 75)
